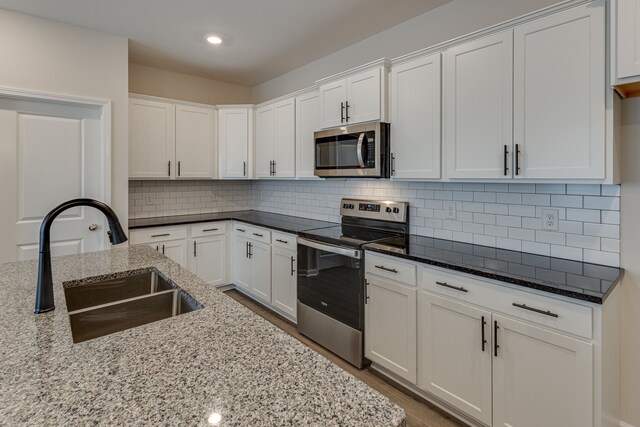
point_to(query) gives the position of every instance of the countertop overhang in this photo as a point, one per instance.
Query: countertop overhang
(221, 359)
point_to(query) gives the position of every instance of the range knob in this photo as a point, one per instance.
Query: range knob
(345, 206)
(388, 210)
(396, 210)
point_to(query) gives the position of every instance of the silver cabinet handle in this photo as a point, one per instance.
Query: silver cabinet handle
(292, 261)
(93, 227)
(537, 310)
(195, 249)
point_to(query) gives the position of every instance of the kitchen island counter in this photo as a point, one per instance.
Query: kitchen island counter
(222, 362)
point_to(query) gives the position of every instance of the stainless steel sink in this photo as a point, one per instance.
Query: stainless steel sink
(101, 307)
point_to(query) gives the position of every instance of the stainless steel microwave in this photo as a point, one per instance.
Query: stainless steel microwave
(353, 151)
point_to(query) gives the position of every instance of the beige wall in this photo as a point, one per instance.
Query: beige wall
(451, 20)
(630, 257)
(169, 84)
(46, 56)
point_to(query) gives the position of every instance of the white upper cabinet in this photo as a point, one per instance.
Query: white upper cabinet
(415, 118)
(363, 97)
(355, 98)
(168, 140)
(332, 103)
(151, 139)
(275, 140)
(195, 142)
(307, 122)
(235, 139)
(478, 110)
(627, 16)
(559, 95)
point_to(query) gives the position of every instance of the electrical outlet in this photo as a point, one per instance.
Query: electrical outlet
(148, 199)
(550, 219)
(449, 210)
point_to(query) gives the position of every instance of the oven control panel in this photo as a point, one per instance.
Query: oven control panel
(381, 210)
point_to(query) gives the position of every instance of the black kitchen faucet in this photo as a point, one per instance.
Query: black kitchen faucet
(44, 291)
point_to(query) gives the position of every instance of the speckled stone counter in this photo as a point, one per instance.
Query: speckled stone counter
(286, 223)
(573, 279)
(222, 359)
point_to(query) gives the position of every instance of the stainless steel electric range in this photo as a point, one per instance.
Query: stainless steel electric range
(331, 289)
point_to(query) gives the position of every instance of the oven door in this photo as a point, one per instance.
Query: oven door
(331, 281)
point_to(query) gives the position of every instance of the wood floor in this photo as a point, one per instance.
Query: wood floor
(420, 413)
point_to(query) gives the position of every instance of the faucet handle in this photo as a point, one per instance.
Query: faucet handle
(93, 227)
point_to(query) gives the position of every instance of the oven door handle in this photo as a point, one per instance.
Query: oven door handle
(359, 149)
(348, 252)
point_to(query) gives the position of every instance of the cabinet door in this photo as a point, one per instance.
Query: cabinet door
(265, 140)
(307, 122)
(628, 38)
(540, 378)
(332, 108)
(363, 96)
(242, 274)
(478, 110)
(260, 258)
(453, 361)
(284, 280)
(415, 114)
(285, 143)
(176, 250)
(234, 133)
(559, 94)
(390, 326)
(195, 142)
(151, 139)
(208, 258)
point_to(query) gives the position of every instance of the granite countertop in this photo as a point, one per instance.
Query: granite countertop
(286, 223)
(574, 279)
(221, 359)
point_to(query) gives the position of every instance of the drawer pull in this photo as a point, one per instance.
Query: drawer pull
(495, 338)
(282, 241)
(484, 340)
(209, 229)
(391, 270)
(446, 285)
(257, 234)
(161, 235)
(240, 230)
(537, 310)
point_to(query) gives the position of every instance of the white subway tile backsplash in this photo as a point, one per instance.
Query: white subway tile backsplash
(505, 215)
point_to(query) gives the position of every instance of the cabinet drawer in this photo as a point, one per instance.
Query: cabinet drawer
(283, 240)
(161, 234)
(390, 268)
(208, 229)
(251, 232)
(562, 315)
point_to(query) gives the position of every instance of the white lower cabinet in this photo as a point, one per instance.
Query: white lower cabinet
(283, 280)
(209, 258)
(241, 263)
(540, 378)
(175, 250)
(390, 326)
(489, 362)
(260, 258)
(454, 354)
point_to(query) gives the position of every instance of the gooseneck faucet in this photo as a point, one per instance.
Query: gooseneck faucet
(44, 291)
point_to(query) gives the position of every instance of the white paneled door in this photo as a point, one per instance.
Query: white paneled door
(49, 153)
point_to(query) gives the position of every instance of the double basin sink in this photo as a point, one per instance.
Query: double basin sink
(101, 307)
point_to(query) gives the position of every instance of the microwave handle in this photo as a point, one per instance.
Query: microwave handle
(359, 150)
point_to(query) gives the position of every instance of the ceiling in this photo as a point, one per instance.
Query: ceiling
(262, 38)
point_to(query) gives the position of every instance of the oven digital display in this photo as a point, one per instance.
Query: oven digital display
(370, 207)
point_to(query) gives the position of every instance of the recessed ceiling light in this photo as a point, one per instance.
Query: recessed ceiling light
(214, 39)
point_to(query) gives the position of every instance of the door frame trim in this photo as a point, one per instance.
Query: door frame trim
(106, 112)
